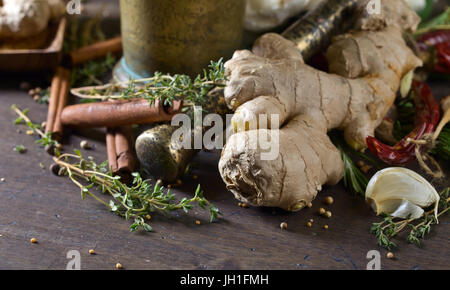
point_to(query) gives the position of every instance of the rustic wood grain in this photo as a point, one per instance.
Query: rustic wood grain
(35, 203)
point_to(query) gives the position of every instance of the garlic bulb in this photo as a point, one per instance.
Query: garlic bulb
(400, 192)
(262, 15)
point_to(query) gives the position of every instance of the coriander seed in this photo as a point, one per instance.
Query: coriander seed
(321, 211)
(84, 144)
(329, 200)
(33, 240)
(309, 224)
(390, 255)
(119, 266)
(325, 227)
(91, 251)
(328, 214)
(283, 225)
(197, 222)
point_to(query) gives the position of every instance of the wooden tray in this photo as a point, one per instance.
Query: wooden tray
(25, 60)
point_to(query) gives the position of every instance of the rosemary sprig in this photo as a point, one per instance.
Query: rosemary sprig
(133, 202)
(442, 148)
(353, 179)
(387, 229)
(161, 87)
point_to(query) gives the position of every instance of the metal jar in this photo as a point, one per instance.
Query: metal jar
(177, 36)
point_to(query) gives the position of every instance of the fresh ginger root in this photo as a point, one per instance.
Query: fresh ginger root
(273, 79)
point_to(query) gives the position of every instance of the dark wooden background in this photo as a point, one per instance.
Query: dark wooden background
(36, 203)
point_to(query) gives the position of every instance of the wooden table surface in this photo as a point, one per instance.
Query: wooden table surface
(36, 203)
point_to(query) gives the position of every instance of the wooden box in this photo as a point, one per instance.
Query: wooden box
(26, 60)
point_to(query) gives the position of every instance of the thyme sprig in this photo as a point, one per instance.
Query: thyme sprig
(387, 229)
(166, 87)
(46, 138)
(133, 202)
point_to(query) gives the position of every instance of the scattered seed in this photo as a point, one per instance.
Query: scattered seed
(311, 220)
(328, 214)
(37, 90)
(309, 224)
(325, 227)
(360, 163)
(329, 200)
(195, 177)
(169, 185)
(244, 205)
(119, 266)
(32, 92)
(239, 204)
(41, 165)
(197, 222)
(390, 255)
(283, 225)
(148, 217)
(179, 182)
(29, 132)
(309, 205)
(321, 211)
(59, 146)
(33, 240)
(54, 168)
(159, 182)
(36, 98)
(43, 125)
(84, 144)
(91, 251)
(2, 179)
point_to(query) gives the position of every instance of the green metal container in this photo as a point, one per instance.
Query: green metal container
(177, 36)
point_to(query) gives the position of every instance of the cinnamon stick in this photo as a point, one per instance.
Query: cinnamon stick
(124, 151)
(117, 113)
(96, 50)
(62, 102)
(111, 150)
(54, 99)
(121, 159)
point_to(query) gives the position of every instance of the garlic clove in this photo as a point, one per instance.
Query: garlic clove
(402, 209)
(401, 193)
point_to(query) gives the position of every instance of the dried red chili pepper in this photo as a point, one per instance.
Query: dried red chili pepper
(433, 38)
(437, 43)
(426, 120)
(442, 58)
